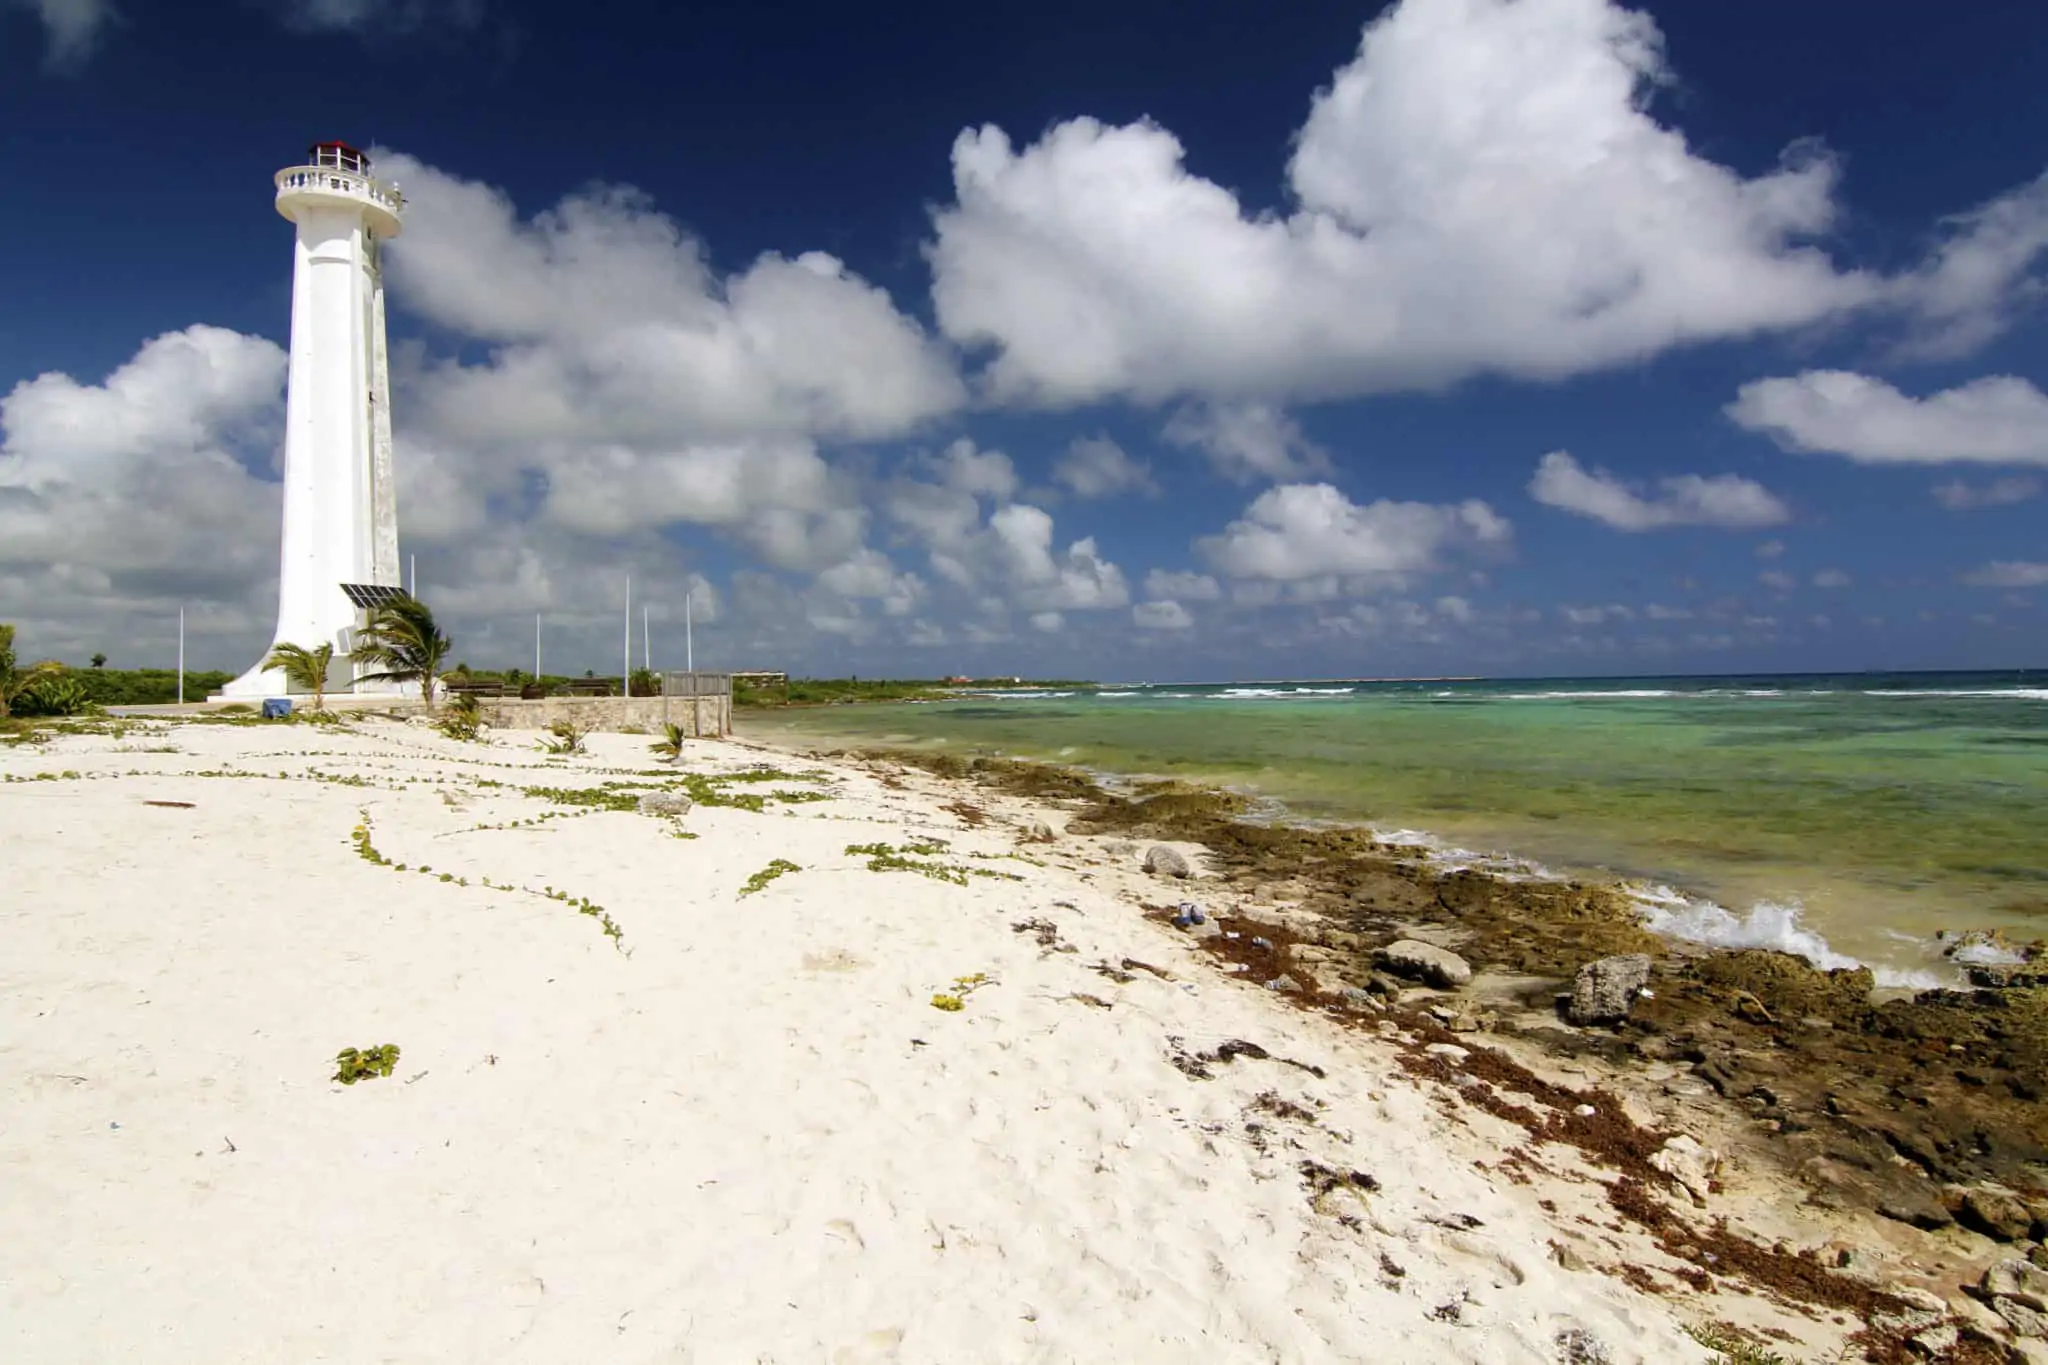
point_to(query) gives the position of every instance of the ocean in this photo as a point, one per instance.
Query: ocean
(1843, 817)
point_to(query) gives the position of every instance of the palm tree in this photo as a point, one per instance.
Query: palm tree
(304, 669)
(405, 644)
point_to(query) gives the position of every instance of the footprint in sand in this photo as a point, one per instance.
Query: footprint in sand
(835, 960)
(873, 1348)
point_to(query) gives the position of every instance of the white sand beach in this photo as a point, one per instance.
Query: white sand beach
(742, 1133)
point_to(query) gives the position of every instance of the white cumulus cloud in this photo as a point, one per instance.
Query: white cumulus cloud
(1724, 500)
(1097, 467)
(1300, 532)
(1248, 442)
(71, 28)
(1480, 189)
(1997, 420)
(2009, 573)
(1166, 614)
(1958, 496)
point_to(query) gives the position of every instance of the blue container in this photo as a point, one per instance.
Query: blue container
(276, 708)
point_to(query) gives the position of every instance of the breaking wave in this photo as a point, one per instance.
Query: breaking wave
(1768, 924)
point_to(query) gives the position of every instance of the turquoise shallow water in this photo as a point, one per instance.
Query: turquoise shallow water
(1867, 810)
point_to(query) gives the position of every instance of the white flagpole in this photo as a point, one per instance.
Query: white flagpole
(414, 590)
(646, 641)
(181, 656)
(536, 646)
(626, 678)
(689, 645)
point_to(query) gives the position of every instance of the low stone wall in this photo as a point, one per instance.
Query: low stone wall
(699, 716)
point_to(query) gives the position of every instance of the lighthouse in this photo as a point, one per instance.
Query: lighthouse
(340, 547)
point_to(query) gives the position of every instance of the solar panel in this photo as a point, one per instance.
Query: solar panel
(370, 596)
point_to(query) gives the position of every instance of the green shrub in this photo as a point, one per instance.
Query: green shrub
(53, 694)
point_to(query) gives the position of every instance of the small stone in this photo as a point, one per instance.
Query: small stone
(2024, 1321)
(1567, 1259)
(1603, 991)
(2038, 1254)
(1207, 929)
(1358, 998)
(1577, 1346)
(2013, 1278)
(1689, 1163)
(1450, 1052)
(665, 803)
(1283, 983)
(1039, 832)
(1426, 962)
(2024, 1352)
(1162, 861)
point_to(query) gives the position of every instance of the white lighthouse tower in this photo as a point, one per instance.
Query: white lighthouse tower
(340, 499)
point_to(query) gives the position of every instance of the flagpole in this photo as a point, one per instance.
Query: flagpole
(646, 641)
(181, 656)
(536, 647)
(689, 645)
(626, 678)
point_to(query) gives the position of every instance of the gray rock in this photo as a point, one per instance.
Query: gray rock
(2016, 1279)
(1358, 998)
(1604, 991)
(1936, 1342)
(1426, 962)
(1996, 1213)
(2024, 1321)
(665, 803)
(1688, 1163)
(1162, 861)
(1039, 832)
(1283, 983)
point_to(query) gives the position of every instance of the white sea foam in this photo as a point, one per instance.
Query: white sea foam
(1119, 694)
(1986, 955)
(1602, 695)
(1323, 691)
(1767, 925)
(1241, 693)
(2016, 693)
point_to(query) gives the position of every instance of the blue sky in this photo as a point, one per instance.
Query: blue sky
(1122, 340)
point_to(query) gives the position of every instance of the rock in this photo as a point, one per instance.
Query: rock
(1426, 962)
(1984, 947)
(1120, 848)
(1450, 1052)
(2024, 1321)
(1162, 861)
(1936, 1342)
(1207, 929)
(1379, 983)
(1689, 1163)
(665, 803)
(2038, 1255)
(1567, 1259)
(1283, 983)
(1358, 998)
(1996, 1213)
(1604, 991)
(1577, 1346)
(2024, 1352)
(1039, 832)
(1926, 1300)
(2013, 1278)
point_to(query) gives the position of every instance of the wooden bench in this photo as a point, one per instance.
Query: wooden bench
(474, 689)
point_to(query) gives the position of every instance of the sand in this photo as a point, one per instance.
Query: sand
(742, 1132)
